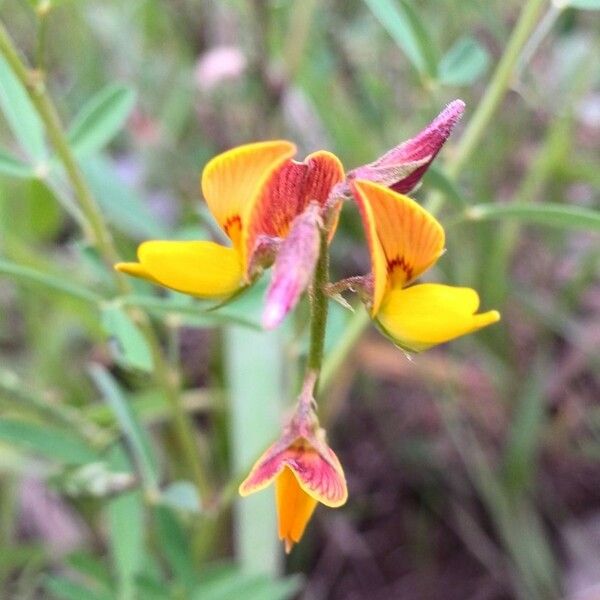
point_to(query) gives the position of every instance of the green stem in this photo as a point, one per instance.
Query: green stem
(497, 88)
(98, 233)
(319, 308)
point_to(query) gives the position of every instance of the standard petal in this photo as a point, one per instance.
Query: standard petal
(294, 508)
(410, 239)
(202, 269)
(422, 316)
(231, 181)
(288, 192)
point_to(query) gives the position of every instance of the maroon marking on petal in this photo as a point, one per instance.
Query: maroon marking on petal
(399, 262)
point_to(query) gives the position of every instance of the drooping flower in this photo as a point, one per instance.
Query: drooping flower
(404, 241)
(254, 192)
(306, 472)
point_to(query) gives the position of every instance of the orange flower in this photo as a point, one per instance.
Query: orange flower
(306, 471)
(254, 192)
(404, 241)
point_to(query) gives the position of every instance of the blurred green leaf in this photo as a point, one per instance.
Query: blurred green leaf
(125, 516)
(181, 495)
(526, 429)
(49, 442)
(555, 215)
(129, 346)
(465, 62)
(135, 435)
(228, 582)
(584, 4)
(401, 21)
(126, 524)
(175, 545)
(20, 114)
(100, 119)
(12, 166)
(66, 589)
(121, 204)
(29, 276)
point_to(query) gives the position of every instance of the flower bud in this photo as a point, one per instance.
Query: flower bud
(294, 266)
(402, 167)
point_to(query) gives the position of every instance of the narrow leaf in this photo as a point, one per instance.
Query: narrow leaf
(50, 442)
(134, 434)
(554, 215)
(181, 495)
(101, 119)
(436, 178)
(402, 23)
(66, 589)
(466, 61)
(126, 532)
(129, 346)
(20, 114)
(12, 166)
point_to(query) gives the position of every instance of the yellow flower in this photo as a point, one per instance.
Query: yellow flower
(404, 241)
(254, 192)
(306, 471)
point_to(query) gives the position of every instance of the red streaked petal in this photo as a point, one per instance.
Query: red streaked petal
(319, 474)
(232, 180)
(402, 167)
(411, 238)
(289, 191)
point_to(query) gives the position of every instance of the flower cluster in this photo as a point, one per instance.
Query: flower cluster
(282, 213)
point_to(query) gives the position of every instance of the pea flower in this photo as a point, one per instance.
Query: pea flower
(254, 192)
(404, 241)
(306, 472)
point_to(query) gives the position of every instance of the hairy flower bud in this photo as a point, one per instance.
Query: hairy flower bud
(294, 266)
(402, 167)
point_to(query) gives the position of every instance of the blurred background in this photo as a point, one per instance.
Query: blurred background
(473, 469)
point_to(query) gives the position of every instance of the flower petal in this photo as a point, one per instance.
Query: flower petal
(319, 474)
(203, 269)
(231, 181)
(402, 167)
(294, 508)
(289, 191)
(422, 316)
(410, 239)
(135, 270)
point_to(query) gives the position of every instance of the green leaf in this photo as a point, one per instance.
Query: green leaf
(174, 543)
(122, 205)
(12, 166)
(554, 215)
(584, 4)
(33, 277)
(20, 114)
(49, 442)
(181, 495)
(136, 437)
(401, 21)
(66, 589)
(128, 346)
(126, 532)
(227, 582)
(101, 119)
(466, 61)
